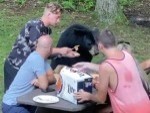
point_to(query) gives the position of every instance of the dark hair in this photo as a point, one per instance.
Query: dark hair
(106, 38)
(122, 41)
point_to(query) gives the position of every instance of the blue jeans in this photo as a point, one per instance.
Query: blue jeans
(18, 108)
(9, 74)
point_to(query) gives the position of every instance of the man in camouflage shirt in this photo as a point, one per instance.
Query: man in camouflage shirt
(27, 39)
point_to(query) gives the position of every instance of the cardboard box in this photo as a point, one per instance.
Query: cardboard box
(70, 81)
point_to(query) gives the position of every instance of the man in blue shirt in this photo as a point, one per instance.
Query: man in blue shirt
(35, 71)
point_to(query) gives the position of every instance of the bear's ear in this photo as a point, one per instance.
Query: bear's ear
(80, 31)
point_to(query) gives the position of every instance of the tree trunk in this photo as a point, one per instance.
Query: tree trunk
(107, 10)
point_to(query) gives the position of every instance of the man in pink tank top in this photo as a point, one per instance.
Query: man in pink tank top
(118, 77)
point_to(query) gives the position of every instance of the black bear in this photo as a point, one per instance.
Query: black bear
(81, 36)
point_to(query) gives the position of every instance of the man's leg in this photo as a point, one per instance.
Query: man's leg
(18, 108)
(9, 74)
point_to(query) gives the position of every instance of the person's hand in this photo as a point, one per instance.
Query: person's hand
(87, 67)
(68, 52)
(95, 80)
(82, 66)
(35, 82)
(64, 50)
(72, 54)
(82, 96)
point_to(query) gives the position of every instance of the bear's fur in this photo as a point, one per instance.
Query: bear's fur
(81, 35)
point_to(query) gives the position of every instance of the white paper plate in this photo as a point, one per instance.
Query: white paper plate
(46, 99)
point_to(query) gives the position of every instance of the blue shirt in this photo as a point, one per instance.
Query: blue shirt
(34, 66)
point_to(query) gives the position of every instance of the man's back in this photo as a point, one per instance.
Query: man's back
(129, 95)
(22, 82)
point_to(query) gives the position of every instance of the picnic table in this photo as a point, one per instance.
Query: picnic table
(61, 106)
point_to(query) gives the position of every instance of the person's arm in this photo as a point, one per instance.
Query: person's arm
(43, 81)
(145, 64)
(40, 82)
(58, 51)
(65, 52)
(83, 66)
(34, 34)
(41, 78)
(50, 76)
(102, 87)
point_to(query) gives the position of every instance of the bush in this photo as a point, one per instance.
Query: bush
(121, 18)
(78, 5)
(125, 3)
(21, 2)
(1, 1)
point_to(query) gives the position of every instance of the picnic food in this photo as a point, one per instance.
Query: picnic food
(76, 48)
(45, 99)
(70, 81)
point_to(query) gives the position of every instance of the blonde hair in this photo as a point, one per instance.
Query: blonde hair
(53, 7)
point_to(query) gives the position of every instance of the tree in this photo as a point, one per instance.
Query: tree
(107, 10)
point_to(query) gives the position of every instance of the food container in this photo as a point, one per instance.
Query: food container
(70, 81)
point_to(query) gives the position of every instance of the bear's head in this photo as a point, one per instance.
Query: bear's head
(85, 38)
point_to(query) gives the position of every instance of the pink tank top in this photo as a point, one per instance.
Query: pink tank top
(129, 95)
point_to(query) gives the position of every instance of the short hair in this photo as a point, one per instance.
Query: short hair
(107, 38)
(53, 7)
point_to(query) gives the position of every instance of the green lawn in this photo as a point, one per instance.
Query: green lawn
(11, 23)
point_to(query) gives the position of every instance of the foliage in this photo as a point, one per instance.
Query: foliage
(1, 1)
(21, 2)
(68, 4)
(126, 2)
(85, 5)
(78, 5)
(121, 18)
(46, 1)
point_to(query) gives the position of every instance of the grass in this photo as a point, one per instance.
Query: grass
(11, 22)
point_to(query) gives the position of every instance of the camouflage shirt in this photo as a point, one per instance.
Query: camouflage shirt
(25, 42)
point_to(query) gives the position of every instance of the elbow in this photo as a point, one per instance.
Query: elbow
(102, 100)
(52, 81)
(43, 86)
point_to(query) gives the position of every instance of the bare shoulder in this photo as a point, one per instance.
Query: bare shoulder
(108, 73)
(106, 68)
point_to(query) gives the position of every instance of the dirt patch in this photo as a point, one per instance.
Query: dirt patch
(139, 13)
(140, 9)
